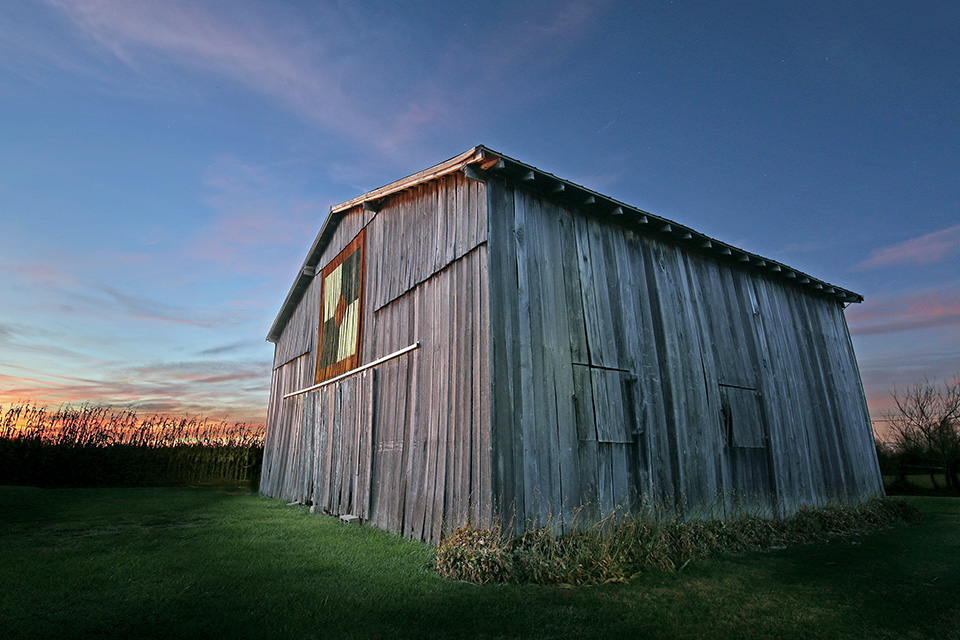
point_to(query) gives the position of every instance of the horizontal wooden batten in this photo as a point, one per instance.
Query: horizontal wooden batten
(352, 372)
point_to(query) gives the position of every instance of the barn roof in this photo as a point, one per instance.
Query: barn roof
(481, 162)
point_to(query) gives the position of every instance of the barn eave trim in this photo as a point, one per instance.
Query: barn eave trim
(594, 203)
(481, 163)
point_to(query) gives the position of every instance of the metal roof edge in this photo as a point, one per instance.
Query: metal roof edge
(455, 163)
(595, 203)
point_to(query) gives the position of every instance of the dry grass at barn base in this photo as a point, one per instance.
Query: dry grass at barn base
(619, 551)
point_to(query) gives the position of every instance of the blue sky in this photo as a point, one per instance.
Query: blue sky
(165, 165)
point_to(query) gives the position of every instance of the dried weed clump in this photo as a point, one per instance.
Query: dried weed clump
(475, 555)
(619, 551)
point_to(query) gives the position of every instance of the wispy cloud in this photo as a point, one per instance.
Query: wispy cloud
(236, 390)
(9, 331)
(48, 348)
(56, 291)
(921, 310)
(144, 308)
(929, 248)
(276, 60)
(911, 311)
(232, 347)
(338, 70)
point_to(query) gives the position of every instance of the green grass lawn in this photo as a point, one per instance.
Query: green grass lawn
(207, 563)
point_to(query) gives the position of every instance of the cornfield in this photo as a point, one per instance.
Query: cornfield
(99, 445)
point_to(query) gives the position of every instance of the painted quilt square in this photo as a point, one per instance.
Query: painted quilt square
(341, 305)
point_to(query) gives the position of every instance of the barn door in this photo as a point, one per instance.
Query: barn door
(750, 481)
(606, 393)
(606, 451)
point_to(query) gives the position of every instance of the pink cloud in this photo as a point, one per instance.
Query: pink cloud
(232, 391)
(925, 249)
(905, 313)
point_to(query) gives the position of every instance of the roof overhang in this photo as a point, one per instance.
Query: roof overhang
(481, 163)
(371, 201)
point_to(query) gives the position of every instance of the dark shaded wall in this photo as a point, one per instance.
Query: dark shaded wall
(630, 371)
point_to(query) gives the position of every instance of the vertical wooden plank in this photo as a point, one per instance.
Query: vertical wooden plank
(485, 425)
(270, 446)
(527, 420)
(639, 357)
(436, 442)
(393, 396)
(468, 198)
(548, 334)
(784, 393)
(477, 357)
(558, 311)
(454, 415)
(337, 450)
(449, 214)
(588, 451)
(443, 389)
(463, 407)
(451, 318)
(368, 411)
(413, 438)
(665, 459)
(506, 394)
(413, 429)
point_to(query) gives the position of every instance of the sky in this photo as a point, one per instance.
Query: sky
(165, 165)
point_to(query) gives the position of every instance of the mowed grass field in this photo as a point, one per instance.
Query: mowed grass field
(919, 482)
(207, 563)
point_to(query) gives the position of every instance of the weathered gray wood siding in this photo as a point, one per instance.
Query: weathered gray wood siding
(627, 370)
(403, 445)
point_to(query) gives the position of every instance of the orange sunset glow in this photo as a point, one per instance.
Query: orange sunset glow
(167, 165)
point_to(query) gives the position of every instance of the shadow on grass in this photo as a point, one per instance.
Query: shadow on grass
(180, 563)
(898, 583)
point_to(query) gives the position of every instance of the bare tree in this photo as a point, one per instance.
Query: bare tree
(926, 425)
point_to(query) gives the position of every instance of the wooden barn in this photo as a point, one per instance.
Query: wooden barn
(484, 340)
